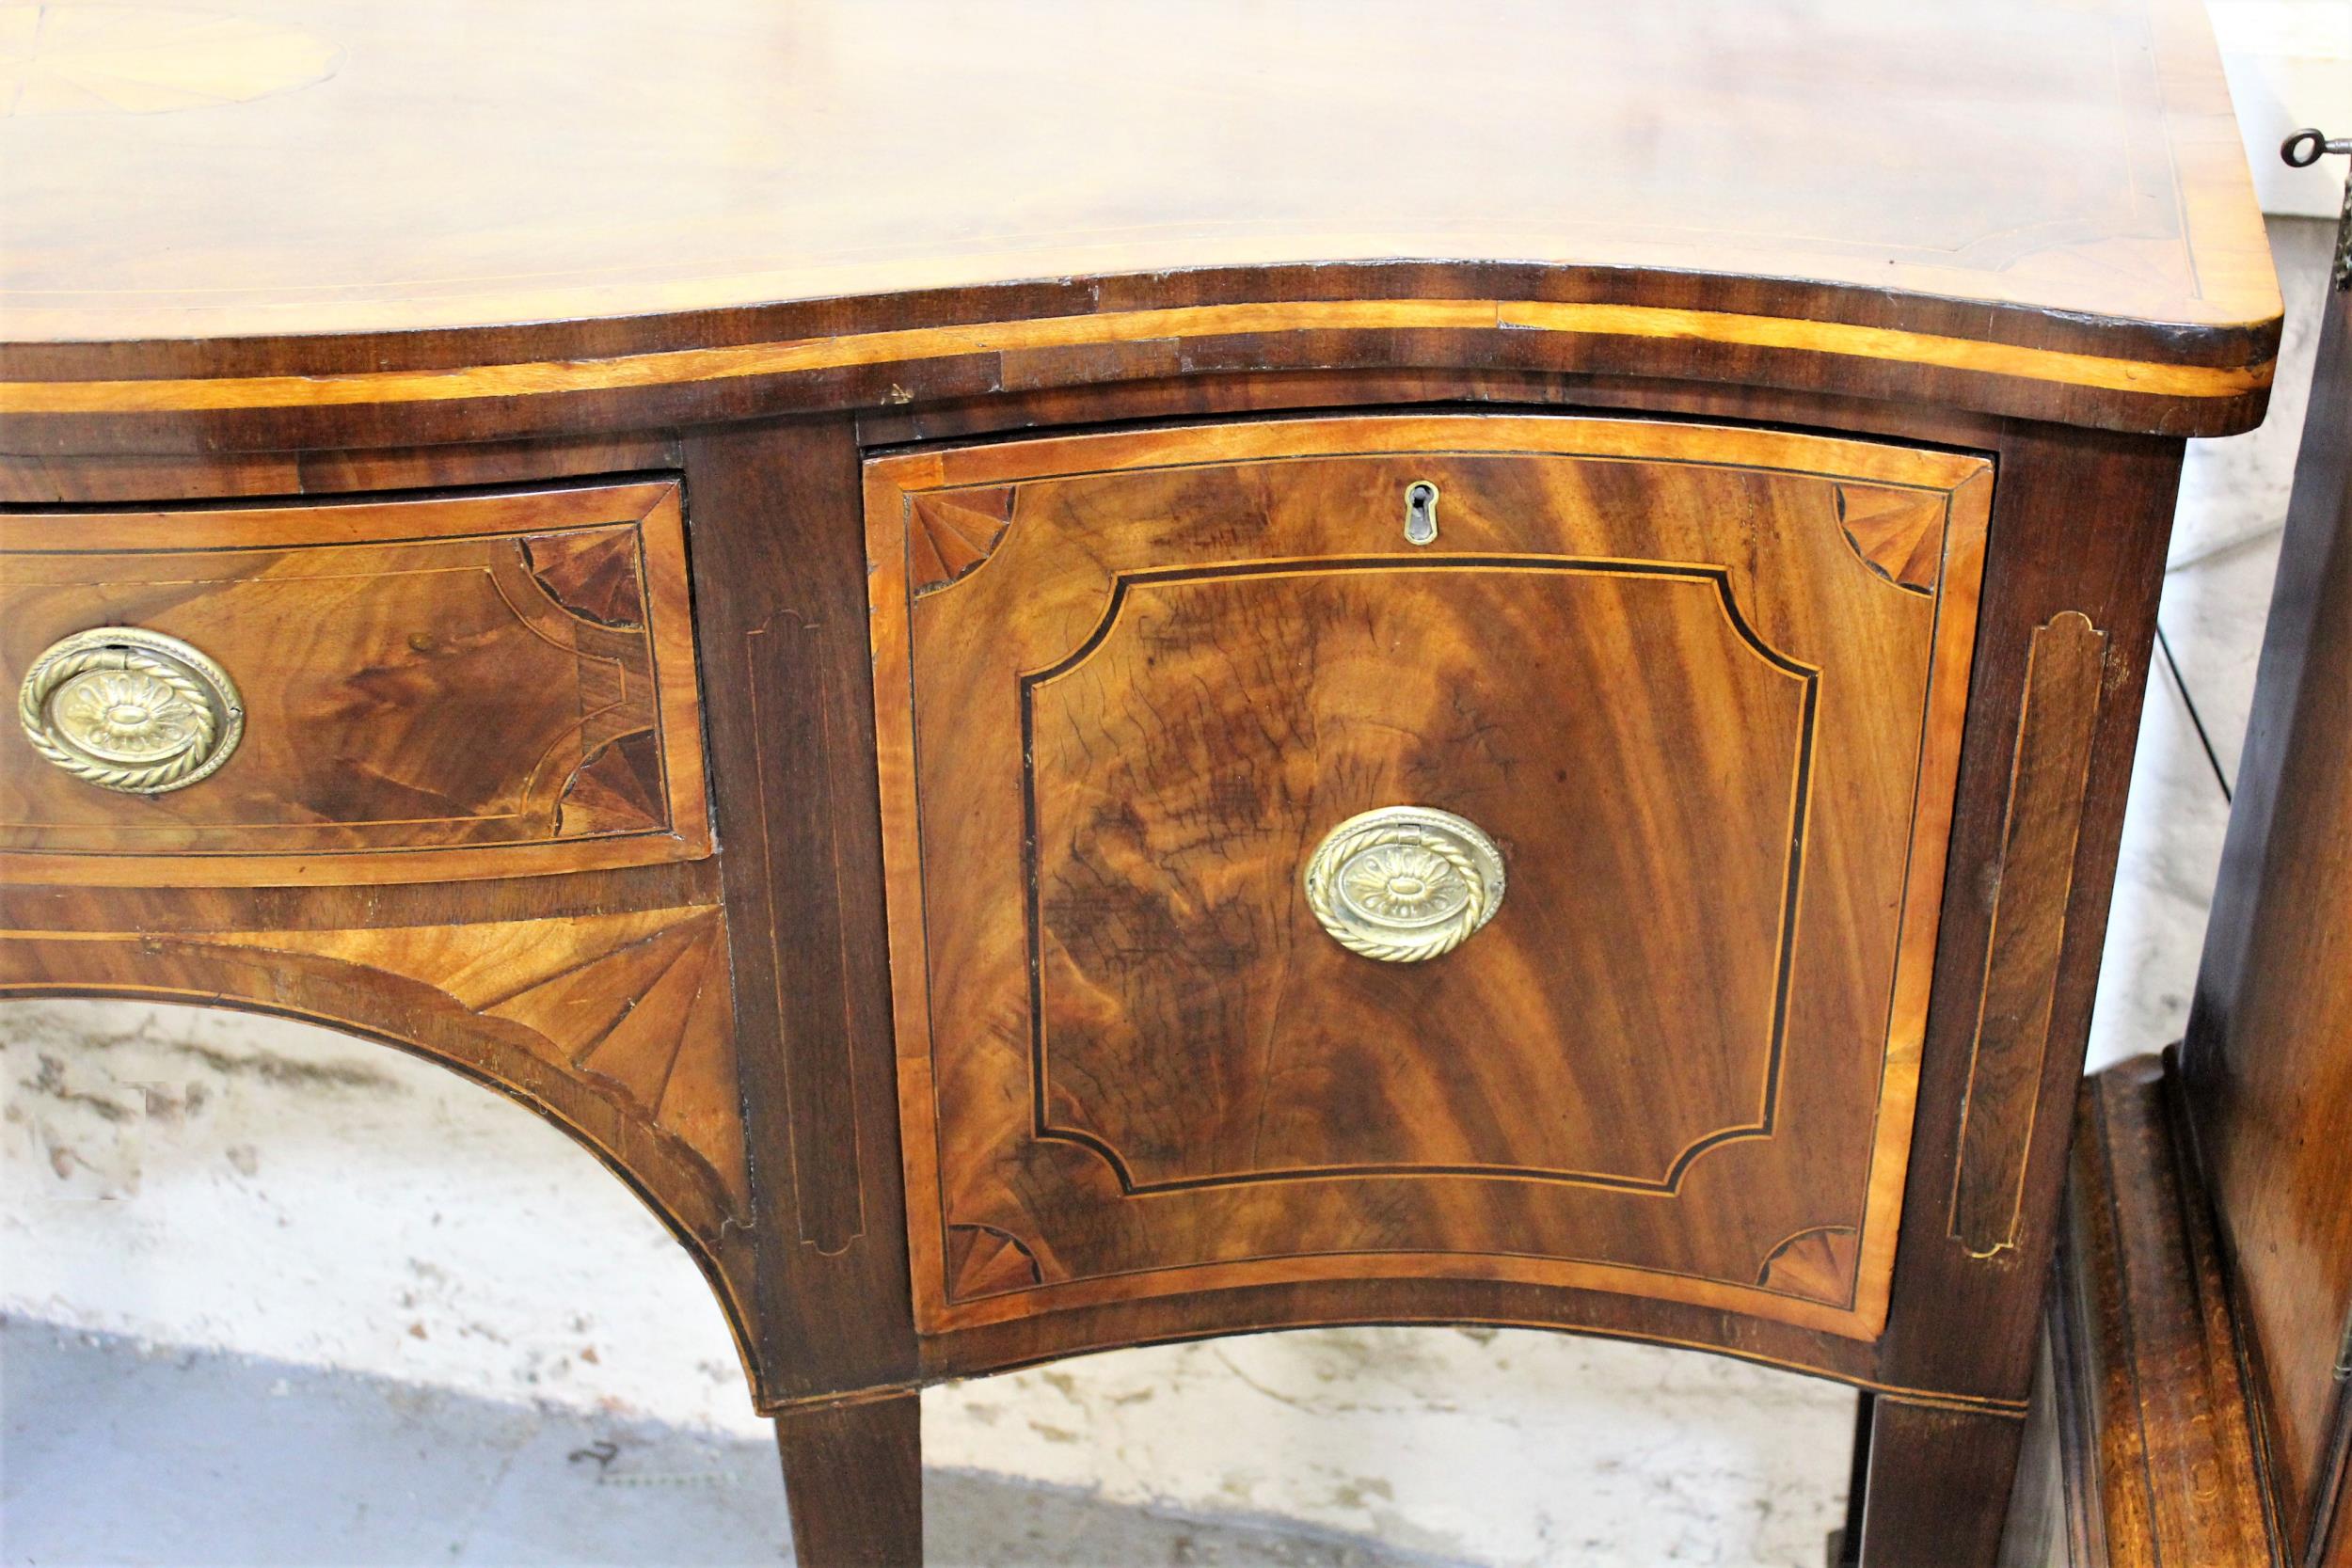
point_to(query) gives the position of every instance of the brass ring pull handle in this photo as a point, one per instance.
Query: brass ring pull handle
(1403, 883)
(129, 710)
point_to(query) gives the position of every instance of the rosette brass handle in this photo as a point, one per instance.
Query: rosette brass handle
(1403, 883)
(129, 710)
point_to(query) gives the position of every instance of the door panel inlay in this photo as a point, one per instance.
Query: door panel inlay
(1702, 688)
(1087, 923)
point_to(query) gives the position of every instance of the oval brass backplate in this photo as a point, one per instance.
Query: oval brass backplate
(129, 710)
(1403, 883)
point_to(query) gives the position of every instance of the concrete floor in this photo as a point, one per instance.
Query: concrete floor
(118, 1453)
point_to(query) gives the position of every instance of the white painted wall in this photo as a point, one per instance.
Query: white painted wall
(2290, 65)
(243, 1182)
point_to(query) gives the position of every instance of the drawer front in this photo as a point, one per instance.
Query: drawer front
(406, 690)
(1697, 691)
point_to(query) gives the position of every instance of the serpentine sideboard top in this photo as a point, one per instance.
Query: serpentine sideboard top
(679, 210)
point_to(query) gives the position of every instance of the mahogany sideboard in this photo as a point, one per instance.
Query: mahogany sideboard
(1070, 676)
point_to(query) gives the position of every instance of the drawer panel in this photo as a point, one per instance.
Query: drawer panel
(431, 688)
(1700, 690)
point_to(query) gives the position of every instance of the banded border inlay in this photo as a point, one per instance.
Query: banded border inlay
(1800, 790)
(676, 367)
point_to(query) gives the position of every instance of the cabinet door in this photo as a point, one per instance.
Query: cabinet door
(1694, 693)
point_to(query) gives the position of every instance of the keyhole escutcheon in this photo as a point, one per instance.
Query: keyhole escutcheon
(1420, 512)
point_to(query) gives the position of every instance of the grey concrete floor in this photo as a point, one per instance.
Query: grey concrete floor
(116, 1453)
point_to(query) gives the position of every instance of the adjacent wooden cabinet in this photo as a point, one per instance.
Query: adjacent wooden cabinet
(1374, 683)
(2266, 1067)
(2195, 1402)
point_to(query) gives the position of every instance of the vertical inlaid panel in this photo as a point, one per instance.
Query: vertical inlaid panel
(780, 604)
(2064, 673)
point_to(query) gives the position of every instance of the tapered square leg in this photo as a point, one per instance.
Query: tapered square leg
(854, 1480)
(1934, 1487)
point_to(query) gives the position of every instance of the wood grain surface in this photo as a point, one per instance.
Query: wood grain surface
(432, 689)
(2141, 1449)
(2052, 215)
(2178, 1477)
(1651, 660)
(1931, 1483)
(853, 1477)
